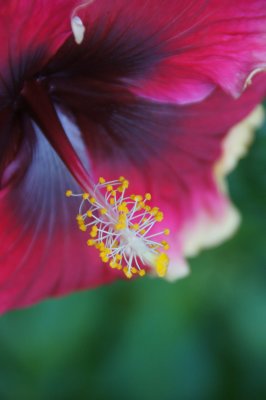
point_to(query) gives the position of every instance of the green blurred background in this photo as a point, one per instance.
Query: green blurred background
(203, 337)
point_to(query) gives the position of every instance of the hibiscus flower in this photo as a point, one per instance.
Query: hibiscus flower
(147, 89)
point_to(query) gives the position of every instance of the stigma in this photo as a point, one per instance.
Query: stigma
(123, 228)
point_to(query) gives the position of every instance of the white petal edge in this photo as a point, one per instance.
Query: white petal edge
(207, 230)
(177, 269)
(238, 141)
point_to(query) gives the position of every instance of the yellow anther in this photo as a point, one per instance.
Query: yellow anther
(154, 211)
(135, 227)
(159, 216)
(118, 257)
(100, 246)
(138, 198)
(92, 200)
(165, 245)
(142, 232)
(161, 264)
(166, 232)
(79, 217)
(90, 242)
(127, 272)
(103, 211)
(85, 196)
(109, 188)
(141, 205)
(121, 178)
(113, 264)
(123, 209)
(147, 208)
(89, 213)
(120, 226)
(148, 196)
(102, 180)
(142, 272)
(94, 231)
(125, 184)
(83, 228)
(112, 201)
(105, 259)
(134, 270)
(113, 193)
(69, 193)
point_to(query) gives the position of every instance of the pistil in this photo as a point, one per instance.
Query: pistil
(122, 228)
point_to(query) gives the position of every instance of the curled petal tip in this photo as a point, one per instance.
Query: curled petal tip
(249, 79)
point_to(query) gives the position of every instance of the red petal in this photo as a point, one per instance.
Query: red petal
(176, 51)
(42, 252)
(31, 31)
(179, 170)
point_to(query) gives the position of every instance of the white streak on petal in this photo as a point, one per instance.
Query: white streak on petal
(74, 135)
(77, 25)
(78, 29)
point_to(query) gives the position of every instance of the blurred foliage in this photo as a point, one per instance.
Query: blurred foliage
(203, 337)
